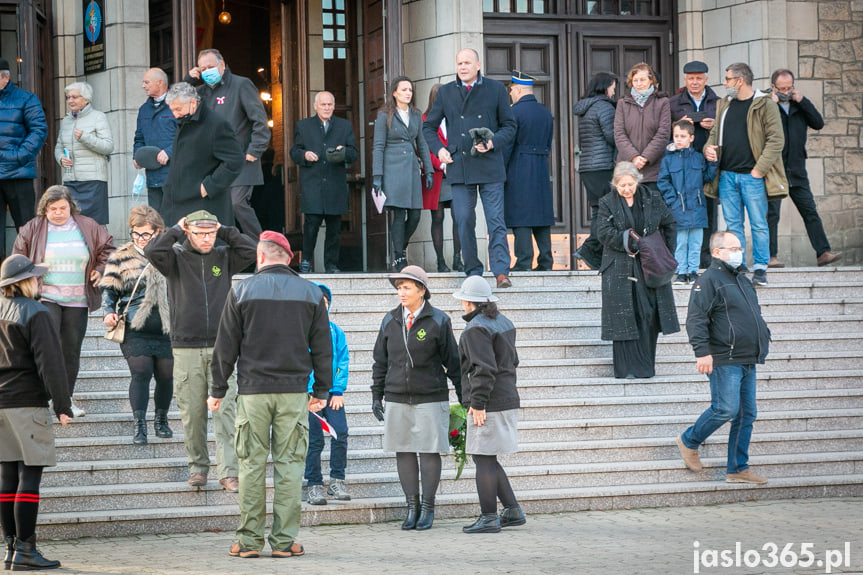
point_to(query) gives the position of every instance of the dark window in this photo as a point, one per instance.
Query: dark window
(517, 6)
(620, 7)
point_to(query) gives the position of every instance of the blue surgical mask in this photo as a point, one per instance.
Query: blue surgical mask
(735, 259)
(211, 76)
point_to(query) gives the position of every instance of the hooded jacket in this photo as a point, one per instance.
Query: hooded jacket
(341, 356)
(682, 176)
(412, 367)
(595, 133)
(198, 284)
(22, 132)
(766, 139)
(724, 318)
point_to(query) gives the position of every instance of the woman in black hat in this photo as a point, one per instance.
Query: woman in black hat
(414, 355)
(30, 375)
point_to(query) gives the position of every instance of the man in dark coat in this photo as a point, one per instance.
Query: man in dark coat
(207, 159)
(156, 126)
(22, 133)
(323, 148)
(798, 114)
(527, 203)
(236, 99)
(474, 101)
(694, 100)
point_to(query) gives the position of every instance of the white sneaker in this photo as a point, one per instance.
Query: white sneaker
(77, 411)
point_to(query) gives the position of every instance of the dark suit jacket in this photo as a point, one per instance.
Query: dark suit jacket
(205, 152)
(485, 106)
(324, 184)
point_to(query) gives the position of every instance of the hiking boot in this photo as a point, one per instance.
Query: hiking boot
(689, 456)
(745, 476)
(338, 490)
(240, 550)
(316, 495)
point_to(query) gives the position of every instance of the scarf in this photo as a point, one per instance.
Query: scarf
(641, 97)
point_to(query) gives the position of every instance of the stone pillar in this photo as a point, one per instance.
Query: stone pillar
(116, 91)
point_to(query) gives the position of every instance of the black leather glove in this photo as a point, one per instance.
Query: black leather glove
(377, 181)
(429, 181)
(378, 409)
(336, 156)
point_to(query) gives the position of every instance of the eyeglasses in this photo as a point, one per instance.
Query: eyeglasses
(203, 234)
(145, 236)
(727, 79)
(731, 249)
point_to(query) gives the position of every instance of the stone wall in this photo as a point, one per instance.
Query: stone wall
(822, 42)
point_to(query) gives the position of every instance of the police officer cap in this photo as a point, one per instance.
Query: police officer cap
(695, 67)
(146, 157)
(522, 79)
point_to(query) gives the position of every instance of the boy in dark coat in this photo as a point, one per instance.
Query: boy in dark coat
(682, 176)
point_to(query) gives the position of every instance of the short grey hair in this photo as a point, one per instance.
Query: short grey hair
(182, 91)
(741, 70)
(83, 88)
(5, 73)
(718, 238)
(322, 92)
(626, 169)
(160, 74)
(214, 52)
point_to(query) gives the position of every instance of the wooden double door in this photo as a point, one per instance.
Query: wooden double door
(563, 56)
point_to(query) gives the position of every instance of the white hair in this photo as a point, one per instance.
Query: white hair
(321, 93)
(83, 88)
(182, 91)
(623, 169)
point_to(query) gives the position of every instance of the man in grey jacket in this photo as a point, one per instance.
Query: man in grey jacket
(236, 99)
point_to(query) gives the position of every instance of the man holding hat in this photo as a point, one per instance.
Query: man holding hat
(273, 367)
(22, 133)
(527, 201)
(696, 102)
(154, 135)
(199, 279)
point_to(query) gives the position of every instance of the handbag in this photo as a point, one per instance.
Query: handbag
(118, 332)
(657, 262)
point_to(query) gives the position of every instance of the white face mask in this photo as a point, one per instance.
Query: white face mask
(735, 259)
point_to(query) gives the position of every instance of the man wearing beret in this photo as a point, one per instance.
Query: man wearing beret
(696, 102)
(199, 279)
(273, 367)
(22, 133)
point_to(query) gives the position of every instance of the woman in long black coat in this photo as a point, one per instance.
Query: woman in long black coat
(632, 313)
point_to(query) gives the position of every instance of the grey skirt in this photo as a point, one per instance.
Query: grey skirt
(498, 435)
(28, 436)
(418, 428)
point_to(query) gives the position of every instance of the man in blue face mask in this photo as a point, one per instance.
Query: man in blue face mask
(236, 99)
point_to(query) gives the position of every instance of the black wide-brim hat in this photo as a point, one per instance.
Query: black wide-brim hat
(19, 267)
(146, 157)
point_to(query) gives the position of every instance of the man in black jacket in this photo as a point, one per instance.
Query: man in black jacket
(323, 149)
(199, 279)
(729, 337)
(273, 367)
(475, 101)
(236, 99)
(798, 114)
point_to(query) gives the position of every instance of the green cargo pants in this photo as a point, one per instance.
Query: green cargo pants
(192, 379)
(277, 423)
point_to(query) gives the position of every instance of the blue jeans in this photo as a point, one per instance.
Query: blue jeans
(739, 191)
(732, 398)
(464, 209)
(338, 447)
(688, 250)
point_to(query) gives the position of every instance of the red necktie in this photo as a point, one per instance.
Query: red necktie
(410, 321)
(468, 88)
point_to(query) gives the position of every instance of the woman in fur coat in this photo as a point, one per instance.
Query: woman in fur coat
(147, 347)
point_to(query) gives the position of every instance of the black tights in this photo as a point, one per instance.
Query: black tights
(492, 484)
(19, 498)
(143, 368)
(405, 222)
(409, 473)
(437, 230)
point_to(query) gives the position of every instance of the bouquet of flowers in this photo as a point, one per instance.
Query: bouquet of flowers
(457, 435)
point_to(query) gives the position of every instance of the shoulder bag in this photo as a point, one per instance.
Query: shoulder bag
(118, 332)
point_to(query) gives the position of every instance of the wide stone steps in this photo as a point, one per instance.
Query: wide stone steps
(586, 439)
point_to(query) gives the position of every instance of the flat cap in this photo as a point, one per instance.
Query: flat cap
(695, 67)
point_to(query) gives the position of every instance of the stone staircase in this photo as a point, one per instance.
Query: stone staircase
(587, 440)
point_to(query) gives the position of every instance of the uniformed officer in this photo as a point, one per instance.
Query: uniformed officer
(527, 204)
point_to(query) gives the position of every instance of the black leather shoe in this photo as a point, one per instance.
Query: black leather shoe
(426, 514)
(140, 437)
(442, 267)
(410, 521)
(10, 551)
(160, 425)
(28, 558)
(512, 516)
(457, 266)
(487, 523)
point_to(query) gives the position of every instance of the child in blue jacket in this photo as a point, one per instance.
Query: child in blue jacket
(334, 413)
(682, 176)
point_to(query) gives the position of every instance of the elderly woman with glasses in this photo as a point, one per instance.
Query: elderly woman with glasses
(83, 146)
(135, 292)
(633, 314)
